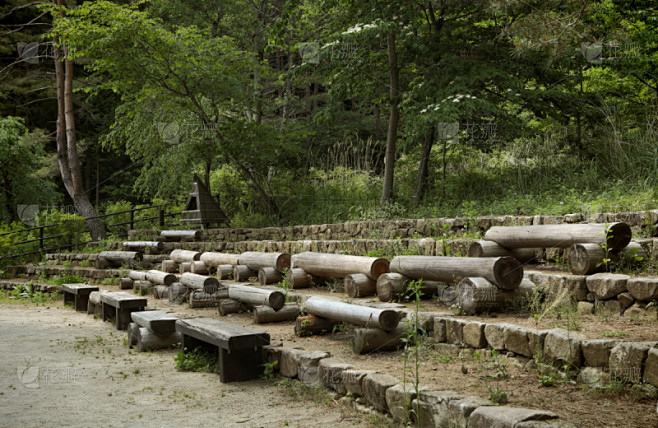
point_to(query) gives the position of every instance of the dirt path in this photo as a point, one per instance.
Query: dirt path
(62, 368)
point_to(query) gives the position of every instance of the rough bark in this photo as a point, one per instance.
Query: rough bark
(394, 118)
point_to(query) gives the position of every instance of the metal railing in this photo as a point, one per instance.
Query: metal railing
(43, 237)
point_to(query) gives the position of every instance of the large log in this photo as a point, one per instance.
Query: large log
(125, 284)
(616, 235)
(136, 275)
(184, 267)
(201, 299)
(505, 272)
(374, 339)
(339, 265)
(311, 324)
(256, 260)
(392, 286)
(492, 249)
(199, 268)
(169, 266)
(263, 314)
(257, 296)
(232, 306)
(298, 278)
(215, 259)
(102, 263)
(147, 341)
(269, 275)
(477, 295)
(142, 245)
(360, 285)
(177, 235)
(159, 277)
(120, 256)
(181, 256)
(385, 319)
(586, 259)
(225, 272)
(207, 284)
(178, 293)
(242, 273)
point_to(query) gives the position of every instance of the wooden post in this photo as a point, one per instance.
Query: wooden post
(41, 238)
(385, 319)
(269, 275)
(585, 259)
(359, 285)
(159, 277)
(339, 265)
(225, 272)
(181, 256)
(616, 235)
(374, 339)
(215, 259)
(161, 217)
(132, 219)
(256, 260)
(207, 284)
(505, 272)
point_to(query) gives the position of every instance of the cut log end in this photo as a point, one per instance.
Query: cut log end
(618, 235)
(379, 267)
(508, 273)
(389, 319)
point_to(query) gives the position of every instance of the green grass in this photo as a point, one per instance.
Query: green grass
(197, 360)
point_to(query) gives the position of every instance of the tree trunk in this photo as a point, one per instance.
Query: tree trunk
(374, 339)
(256, 260)
(421, 179)
(616, 235)
(505, 272)
(311, 324)
(181, 256)
(491, 249)
(199, 267)
(269, 275)
(200, 282)
(67, 153)
(476, 295)
(201, 299)
(159, 277)
(364, 316)
(242, 273)
(177, 235)
(339, 265)
(298, 278)
(225, 272)
(231, 306)
(169, 266)
(136, 275)
(216, 259)
(257, 296)
(394, 118)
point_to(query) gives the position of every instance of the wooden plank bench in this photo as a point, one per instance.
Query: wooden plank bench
(78, 294)
(157, 322)
(117, 306)
(240, 348)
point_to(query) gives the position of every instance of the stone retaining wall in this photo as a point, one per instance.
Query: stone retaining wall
(412, 228)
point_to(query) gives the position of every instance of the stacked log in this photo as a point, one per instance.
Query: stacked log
(615, 235)
(141, 246)
(298, 278)
(143, 287)
(257, 296)
(125, 284)
(492, 249)
(586, 259)
(256, 260)
(339, 265)
(504, 272)
(311, 324)
(184, 267)
(161, 292)
(178, 293)
(117, 258)
(242, 273)
(269, 275)
(136, 275)
(204, 283)
(232, 306)
(360, 285)
(265, 314)
(385, 319)
(177, 235)
(373, 339)
(201, 299)
(159, 277)
(180, 256)
(199, 267)
(477, 295)
(392, 286)
(225, 272)
(216, 259)
(169, 266)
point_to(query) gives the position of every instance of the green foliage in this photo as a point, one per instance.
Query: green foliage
(268, 372)
(197, 360)
(497, 395)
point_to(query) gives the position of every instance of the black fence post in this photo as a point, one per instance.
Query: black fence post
(132, 219)
(161, 217)
(41, 238)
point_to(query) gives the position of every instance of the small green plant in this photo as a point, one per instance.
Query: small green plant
(268, 372)
(497, 395)
(546, 380)
(198, 360)
(86, 263)
(614, 334)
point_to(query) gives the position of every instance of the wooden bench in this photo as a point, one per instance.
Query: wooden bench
(152, 330)
(78, 294)
(117, 306)
(240, 348)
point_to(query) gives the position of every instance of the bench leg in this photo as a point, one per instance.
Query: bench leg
(241, 364)
(69, 298)
(108, 313)
(81, 301)
(123, 317)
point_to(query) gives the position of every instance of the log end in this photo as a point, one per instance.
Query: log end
(618, 235)
(283, 262)
(277, 300)
(389, 319)
(475, 249)
(379, 267)
(508, 273)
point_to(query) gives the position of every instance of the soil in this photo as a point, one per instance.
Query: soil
(165, 397)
